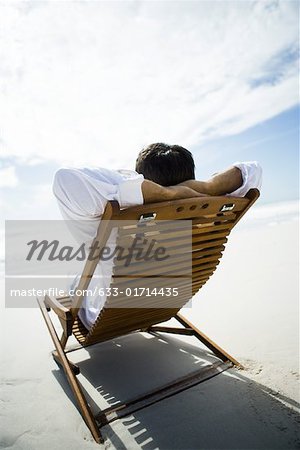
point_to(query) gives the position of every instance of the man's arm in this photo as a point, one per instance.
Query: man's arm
(83, 192)
(153, 192)
(220, 184)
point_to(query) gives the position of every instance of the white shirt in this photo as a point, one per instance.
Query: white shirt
(252, 177)
(82, 195)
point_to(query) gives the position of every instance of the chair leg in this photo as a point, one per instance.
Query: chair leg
(218, 351)
(82, 403)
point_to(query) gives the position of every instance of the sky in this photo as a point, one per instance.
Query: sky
(92, 82)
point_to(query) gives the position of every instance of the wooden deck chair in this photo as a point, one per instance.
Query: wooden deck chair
(212, 221)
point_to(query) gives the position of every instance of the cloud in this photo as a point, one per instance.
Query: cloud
(8, 177)
(93, 82)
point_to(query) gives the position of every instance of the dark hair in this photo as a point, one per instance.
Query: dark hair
(166, 164)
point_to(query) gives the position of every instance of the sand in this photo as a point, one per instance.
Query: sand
(249, 307)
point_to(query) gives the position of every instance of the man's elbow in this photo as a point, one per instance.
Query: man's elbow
(61, 179)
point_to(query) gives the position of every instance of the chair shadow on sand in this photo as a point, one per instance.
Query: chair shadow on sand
(229, 411)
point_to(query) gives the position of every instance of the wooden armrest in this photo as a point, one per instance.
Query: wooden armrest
(64, 314)
(59, 309)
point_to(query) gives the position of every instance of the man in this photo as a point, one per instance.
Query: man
(173, 166)
(163, 172)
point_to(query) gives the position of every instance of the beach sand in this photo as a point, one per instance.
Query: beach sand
(249, 307)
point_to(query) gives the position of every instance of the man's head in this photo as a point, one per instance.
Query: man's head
(166, 164)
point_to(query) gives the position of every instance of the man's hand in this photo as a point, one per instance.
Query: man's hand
(153, 192)
(220, 184)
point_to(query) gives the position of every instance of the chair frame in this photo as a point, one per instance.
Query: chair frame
(67, 314)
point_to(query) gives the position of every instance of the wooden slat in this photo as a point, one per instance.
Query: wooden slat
(203, 267)
(122, 283)
(206, 228)
(173, 228)
(209, 246)
(179, 249)
(117, 322)
(159, 241)
(199, 280)
(123, 315)
(181, 268)
(144, 302)
(205, 224)
(154, 267)
(168, 290)
(196, 253)
(133, 227)
(202, 273)
(169, 234)
(173, 330)
(168, 211)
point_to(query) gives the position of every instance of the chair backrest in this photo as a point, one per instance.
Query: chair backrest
(196, 249)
